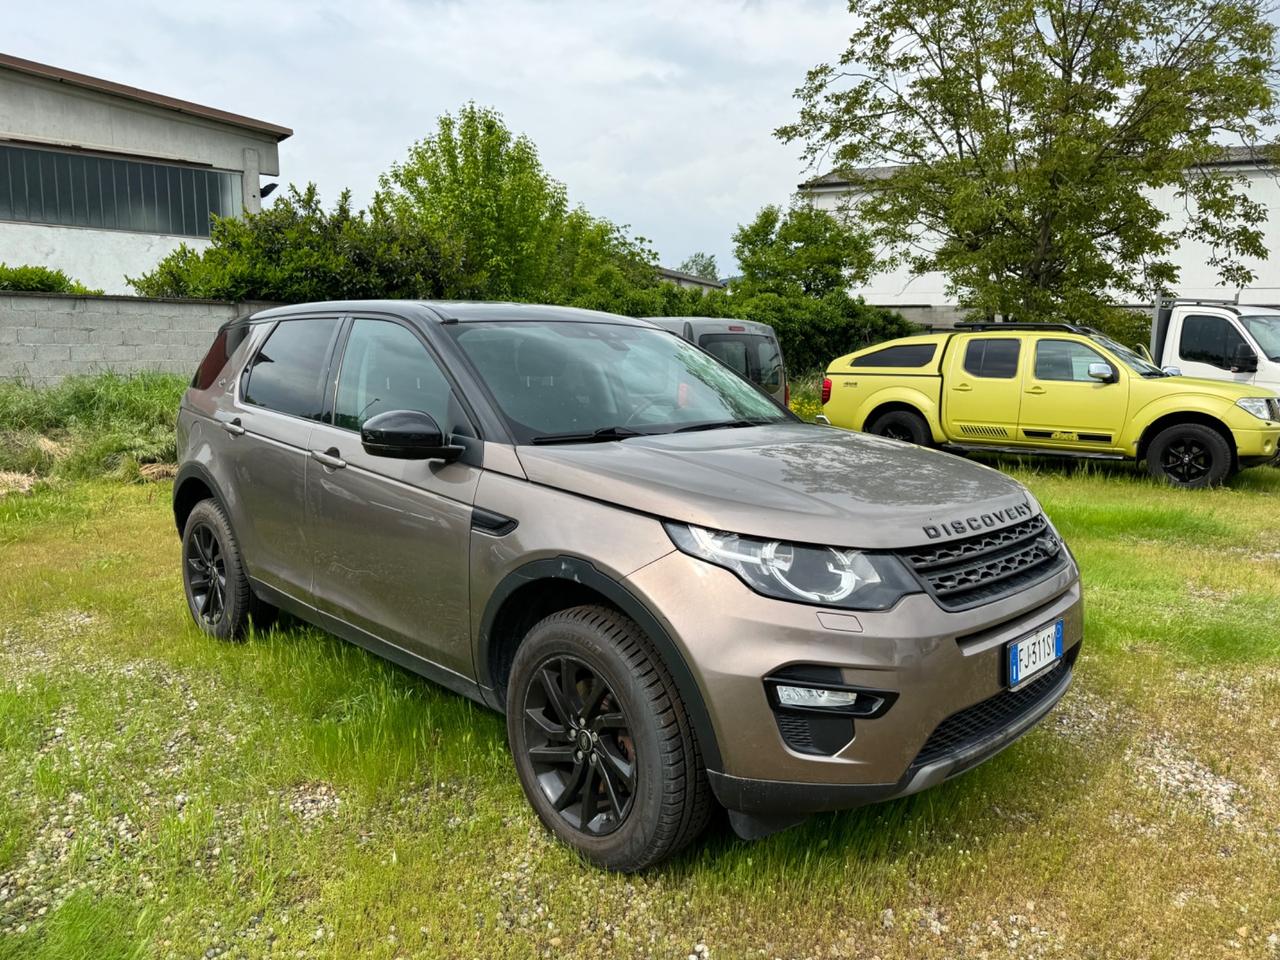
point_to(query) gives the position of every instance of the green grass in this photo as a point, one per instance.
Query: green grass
(104, 425)
(163, 794)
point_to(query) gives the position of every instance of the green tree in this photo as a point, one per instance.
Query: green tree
(503, 224)
(1016, 145)
(700, 264)
(295, 250)
(801, 250)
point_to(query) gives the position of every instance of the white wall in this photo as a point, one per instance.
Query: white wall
(1197, 278)
(43, 111)
(100, 259)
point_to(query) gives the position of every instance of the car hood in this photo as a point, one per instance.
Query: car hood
(789, 481)
(1225, 389)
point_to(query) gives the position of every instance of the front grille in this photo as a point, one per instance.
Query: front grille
(975, 724)
(1273, 404)
(982, 568)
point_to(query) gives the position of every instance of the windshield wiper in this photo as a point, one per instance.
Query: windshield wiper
(720, 425)
(596, 436)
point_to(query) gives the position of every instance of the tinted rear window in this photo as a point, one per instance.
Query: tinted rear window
(905, 355)
(755, 357)
(997, 359)
(224, 345)
(287, 374)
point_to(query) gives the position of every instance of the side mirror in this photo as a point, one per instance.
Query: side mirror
(1244, 360)
(1103, 372)
(1171, 371)
(406, 435)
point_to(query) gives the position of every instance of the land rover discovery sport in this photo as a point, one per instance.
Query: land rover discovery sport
(678, 593)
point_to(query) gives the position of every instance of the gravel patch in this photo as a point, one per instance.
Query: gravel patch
(1165, 765)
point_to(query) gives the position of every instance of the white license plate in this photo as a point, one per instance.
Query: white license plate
(1034, 654)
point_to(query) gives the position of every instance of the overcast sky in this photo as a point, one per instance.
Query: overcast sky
(655, 114)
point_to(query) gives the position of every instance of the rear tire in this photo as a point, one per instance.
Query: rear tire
(219, 597)
(602, 742)
(1190, 455)
(902, 425)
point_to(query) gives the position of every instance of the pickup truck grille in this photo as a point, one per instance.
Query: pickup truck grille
(980, 569)
(1273, 404)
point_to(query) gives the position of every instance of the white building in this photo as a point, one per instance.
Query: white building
(102, 180)
(1197, 278)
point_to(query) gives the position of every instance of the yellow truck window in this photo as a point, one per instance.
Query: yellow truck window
(1065, 360)
(905, 355)
(995, 359)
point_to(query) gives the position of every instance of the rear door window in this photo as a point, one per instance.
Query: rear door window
(755, 357)
(995, 359)
(287, 374)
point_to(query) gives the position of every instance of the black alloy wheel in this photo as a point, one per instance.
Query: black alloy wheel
(206, 573)
(580, 746)
(1186, 460)
(1190, 455)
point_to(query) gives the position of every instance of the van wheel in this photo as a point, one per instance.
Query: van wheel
(218, 594)
(601, 740)
(902, 425)
(1190, 455)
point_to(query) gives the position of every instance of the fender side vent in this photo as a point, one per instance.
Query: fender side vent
(979, 430)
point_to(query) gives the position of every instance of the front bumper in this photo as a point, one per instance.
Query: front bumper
(939, 664)
(1262, 442)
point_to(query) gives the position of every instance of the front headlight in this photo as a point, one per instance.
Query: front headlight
(827, 576)
(1260, 407)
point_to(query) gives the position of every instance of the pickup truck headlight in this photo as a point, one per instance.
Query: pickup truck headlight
(826, 576)
(1261, 407)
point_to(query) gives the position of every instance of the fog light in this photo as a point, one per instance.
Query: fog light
(816, 698)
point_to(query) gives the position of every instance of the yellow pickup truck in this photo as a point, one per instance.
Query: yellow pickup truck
(1052, 388)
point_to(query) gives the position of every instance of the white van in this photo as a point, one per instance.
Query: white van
(1218, 340)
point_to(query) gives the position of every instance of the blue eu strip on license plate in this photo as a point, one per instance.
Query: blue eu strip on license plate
(1030, 655)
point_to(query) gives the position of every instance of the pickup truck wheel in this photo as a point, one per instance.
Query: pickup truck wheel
(1190, 455)
(602, 743)
(902, 425)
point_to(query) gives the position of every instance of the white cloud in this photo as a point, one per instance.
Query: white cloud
(658, 114)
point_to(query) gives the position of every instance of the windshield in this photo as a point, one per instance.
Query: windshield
(1265, 328)
(574, 380)
(1130, 359)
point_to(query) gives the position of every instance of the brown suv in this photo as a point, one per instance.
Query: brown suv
(675, 590)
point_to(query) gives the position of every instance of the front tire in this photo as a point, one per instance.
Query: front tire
(602, 742)
(1190, 455)
(213, 576)
(902, 425)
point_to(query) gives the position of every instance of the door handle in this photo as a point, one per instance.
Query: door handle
(233, 427)
(330, 458)
(962, 387)
(1035, 389)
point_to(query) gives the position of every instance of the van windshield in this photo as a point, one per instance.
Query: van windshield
(1265, 328)
(573, 381)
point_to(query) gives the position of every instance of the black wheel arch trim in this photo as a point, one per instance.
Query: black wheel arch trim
(198, 471)
(580, 571)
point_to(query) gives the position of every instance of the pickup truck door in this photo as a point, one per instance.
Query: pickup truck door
(1204, 345)
(1062, 406)
(981, 390)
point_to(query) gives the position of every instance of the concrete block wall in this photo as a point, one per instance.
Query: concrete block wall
(46, 337)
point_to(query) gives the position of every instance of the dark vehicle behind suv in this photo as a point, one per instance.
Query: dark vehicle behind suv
(678, 593)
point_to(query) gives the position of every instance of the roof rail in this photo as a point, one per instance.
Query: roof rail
(965, 325)
(1197, 301)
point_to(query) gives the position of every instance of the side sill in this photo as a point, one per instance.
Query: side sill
(375, 645)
